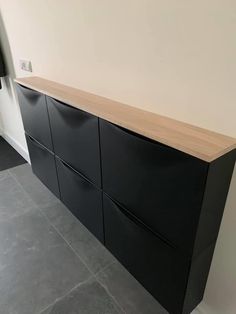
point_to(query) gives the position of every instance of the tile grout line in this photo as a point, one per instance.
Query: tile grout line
(77, 255)
(59, 233)
(66, 294)
(55, 228)
(26, 193)
(49, 222)
(93, 275)
(111, 296)
(104, 268)
(23, 189)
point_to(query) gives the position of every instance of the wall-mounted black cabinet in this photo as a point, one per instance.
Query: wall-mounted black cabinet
(156, 208)
(43, 164)
(75, 138)
(35, 115)
(82, 198)
(158, 266)
(160, 185)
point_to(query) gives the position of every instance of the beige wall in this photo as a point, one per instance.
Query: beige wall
(174, 57)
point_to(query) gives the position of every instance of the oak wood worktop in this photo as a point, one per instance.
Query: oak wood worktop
(198, 142)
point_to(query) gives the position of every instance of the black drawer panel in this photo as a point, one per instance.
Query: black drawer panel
(43, 164)
(82, 198)
(35, 115)
(76, 138)
(161, 186)
(157, 266)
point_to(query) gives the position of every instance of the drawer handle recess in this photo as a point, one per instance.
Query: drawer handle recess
(138, 222)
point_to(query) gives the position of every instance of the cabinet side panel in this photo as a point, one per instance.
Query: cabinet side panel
(197, 279)
(216, 191)
(217, 186)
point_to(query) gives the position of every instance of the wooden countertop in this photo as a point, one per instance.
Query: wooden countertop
(198, 142)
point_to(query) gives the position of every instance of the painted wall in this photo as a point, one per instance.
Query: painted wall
(1, 127)
(175, 58)
(11, 126)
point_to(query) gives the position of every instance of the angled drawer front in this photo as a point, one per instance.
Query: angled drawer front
(76, 138)
(161, 186)
(157, 266)
(43, 164)
(82, 198)
(35, 115)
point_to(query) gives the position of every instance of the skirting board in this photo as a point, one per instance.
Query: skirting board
(16, 145)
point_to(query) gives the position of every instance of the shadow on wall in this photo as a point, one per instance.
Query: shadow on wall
(7, 55)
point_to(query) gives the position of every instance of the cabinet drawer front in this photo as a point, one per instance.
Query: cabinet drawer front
(161, 186)
(157, 266)
(43, 164)
(35, 115)
(76, 138)
(82, 198)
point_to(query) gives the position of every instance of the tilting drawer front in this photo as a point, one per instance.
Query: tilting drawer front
(35, 115)
(76, 138)
(157, 266)
(43, 164)
(82, 198)
(161, 186)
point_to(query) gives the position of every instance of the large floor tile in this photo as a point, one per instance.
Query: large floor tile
(32, 185)
(4, 174)
(131, 296)
(88, 298)
(92, 252)
(36, 265)
(13, 200)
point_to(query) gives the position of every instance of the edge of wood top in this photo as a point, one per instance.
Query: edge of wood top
(198, 142)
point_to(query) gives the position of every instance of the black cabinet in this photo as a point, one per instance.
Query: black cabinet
(159, 267)
(161, 186)
(157, 209)
(81, 197)
(43, 164)
(35, 115)
(76, 138)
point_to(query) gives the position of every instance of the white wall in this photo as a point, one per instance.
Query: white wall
(175, 58)
(1, 127)
(11, 126)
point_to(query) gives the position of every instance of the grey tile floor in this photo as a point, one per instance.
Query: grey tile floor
(51, 264)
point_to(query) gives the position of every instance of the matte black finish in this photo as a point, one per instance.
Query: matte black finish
(82, 198)
(162, 186)
(35, 115)
(43, 164)
(162, 270)
(216, 190)
(76, 138)
(197, 279)
(161, 208)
